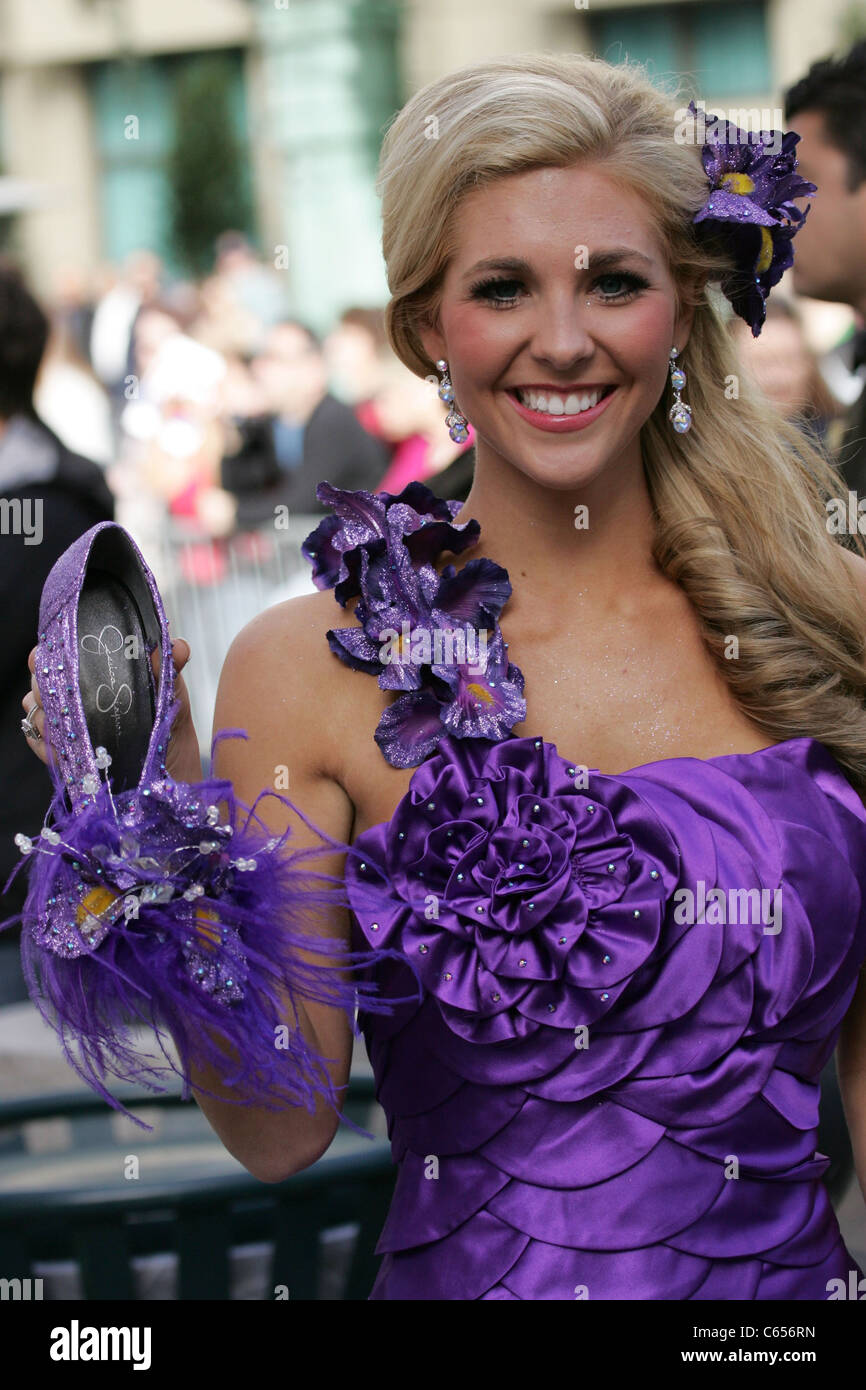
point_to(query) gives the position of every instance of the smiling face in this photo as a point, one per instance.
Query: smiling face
(557, 355)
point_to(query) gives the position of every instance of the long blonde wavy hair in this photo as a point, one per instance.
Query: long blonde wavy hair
(740, 500)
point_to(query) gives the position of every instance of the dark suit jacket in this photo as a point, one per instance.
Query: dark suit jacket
(74, 497)
(336, 449)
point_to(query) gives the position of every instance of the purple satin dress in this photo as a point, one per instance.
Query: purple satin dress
(607, 1085)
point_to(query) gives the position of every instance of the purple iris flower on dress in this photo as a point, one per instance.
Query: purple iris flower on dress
(362, 523)
(753, 186)
(433, 638)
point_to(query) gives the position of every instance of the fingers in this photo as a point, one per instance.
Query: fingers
(31, 703)
(180, 651)
(34, 714)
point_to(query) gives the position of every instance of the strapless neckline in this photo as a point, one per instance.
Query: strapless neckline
(445, 745)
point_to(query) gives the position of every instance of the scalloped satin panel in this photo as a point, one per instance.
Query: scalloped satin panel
(595, 1095)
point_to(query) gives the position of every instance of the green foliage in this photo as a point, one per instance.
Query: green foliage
(209, 187)
(852, 25)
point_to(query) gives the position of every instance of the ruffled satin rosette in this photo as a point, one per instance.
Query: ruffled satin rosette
(619, 1098)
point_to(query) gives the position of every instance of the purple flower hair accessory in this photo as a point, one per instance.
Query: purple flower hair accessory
(431, 637)
(752, 187)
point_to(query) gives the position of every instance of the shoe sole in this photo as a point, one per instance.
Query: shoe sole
(115, 675)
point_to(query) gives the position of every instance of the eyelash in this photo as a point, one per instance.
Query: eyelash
(636, 283)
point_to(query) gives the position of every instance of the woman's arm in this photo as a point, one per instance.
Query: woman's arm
(279, 684)
(851, 1068)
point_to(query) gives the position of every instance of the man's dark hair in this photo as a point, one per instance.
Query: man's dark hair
(836, 88)
(311, 336)
(23, 335)
(372, 321)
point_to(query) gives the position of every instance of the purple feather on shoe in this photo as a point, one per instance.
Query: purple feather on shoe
(146, 906)
(151, 910)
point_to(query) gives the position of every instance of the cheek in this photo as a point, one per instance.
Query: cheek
(646, 332)
(486, 341)
(636, 337)
(640, 342)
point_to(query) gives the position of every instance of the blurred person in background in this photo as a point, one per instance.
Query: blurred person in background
(357, 352)
(222, 323)
(412, 417)
(114, 316)
(74, 308)
(828, 111)
(174, 437)
(70, 399)
(50, 496)
(305, 435)
(253, 288)
(786, 368)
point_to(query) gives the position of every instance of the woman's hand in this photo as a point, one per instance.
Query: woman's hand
(184, 759)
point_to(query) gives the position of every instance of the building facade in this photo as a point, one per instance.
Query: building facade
(87, 100)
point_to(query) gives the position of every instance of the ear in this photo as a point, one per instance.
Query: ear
(683, 327)
(432, 341)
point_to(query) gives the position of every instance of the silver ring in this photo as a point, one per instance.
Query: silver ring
(29, 730)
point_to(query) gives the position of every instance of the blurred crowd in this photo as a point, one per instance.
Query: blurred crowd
(202, 416)
(211, 407)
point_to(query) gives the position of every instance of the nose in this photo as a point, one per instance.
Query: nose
(562, 334)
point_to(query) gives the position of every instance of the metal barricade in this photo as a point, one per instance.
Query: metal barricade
(213, 588)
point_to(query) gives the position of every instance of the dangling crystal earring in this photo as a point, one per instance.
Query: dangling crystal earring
(679, 414)
(457, 423)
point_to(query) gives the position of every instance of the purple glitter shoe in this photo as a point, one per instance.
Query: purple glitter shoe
(145, 905)
(100, 617)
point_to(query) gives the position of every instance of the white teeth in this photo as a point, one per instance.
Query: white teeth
(552, 404)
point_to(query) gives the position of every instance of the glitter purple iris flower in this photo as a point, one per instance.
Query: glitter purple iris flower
(433, 638)
(753, 185)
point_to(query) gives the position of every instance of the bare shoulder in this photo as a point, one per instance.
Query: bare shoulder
(281, 665)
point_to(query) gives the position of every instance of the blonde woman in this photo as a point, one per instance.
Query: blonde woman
(615, 843)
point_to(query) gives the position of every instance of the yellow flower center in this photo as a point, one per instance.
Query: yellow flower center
(738, 183)
(765, 255)
(209, 936)
(480, 692)
(95, 903)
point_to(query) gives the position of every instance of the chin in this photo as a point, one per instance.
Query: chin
(559, 475)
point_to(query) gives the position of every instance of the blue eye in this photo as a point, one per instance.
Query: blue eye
(613, 286)
(483, 290)
(631, 283)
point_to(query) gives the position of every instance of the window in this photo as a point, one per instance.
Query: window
(133, 106)
(722, 48)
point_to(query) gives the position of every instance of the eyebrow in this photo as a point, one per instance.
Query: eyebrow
(601, 260)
